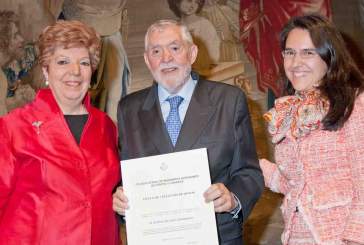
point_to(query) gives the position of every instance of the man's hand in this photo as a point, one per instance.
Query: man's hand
(223, 199)
(119, 201)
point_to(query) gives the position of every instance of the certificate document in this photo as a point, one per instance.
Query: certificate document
(166, 203)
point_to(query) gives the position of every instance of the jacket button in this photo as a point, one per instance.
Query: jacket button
(87, 204)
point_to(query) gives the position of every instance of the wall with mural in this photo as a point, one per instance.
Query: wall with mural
(238, 45)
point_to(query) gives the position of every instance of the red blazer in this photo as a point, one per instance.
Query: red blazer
(53, 191)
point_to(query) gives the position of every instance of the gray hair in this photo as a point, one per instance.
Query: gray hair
(160, 25)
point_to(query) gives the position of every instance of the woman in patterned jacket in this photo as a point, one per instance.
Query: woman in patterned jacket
(318, 135)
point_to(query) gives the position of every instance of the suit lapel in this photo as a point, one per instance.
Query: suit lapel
(199, 113)
(154, 125)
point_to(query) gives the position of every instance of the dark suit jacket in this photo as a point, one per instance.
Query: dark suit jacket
(217, 118)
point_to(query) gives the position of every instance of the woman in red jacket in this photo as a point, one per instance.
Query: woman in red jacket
(58, 154)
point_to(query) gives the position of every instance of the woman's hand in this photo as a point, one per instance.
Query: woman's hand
(119, 201)
(263, 161)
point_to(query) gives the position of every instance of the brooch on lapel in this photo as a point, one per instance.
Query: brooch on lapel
(37, 125)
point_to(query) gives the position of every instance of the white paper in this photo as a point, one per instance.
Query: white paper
(166, 200)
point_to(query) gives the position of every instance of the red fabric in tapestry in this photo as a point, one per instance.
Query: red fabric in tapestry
(260, 24)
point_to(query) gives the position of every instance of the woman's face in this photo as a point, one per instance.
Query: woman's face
(69, 75)
(303, 66)
(188, 7)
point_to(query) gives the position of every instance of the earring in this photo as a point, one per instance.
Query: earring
(46, 82)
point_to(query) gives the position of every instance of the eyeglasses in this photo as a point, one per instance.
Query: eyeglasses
(306, 53)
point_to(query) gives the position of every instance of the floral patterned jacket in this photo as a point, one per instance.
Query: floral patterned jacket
(322, 174)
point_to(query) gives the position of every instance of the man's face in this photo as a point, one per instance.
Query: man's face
(16, 42)
(169, 58)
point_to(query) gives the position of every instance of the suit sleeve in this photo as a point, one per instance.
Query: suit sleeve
(8, 168)
(122, 133)
(246, 177)
(354, 230)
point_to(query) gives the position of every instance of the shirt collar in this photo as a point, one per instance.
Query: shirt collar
(185, 92)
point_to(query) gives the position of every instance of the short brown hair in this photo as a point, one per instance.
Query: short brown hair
(69, 34)
(6, 17)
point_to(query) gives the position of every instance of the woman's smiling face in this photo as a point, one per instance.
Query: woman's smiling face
(303, 66)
